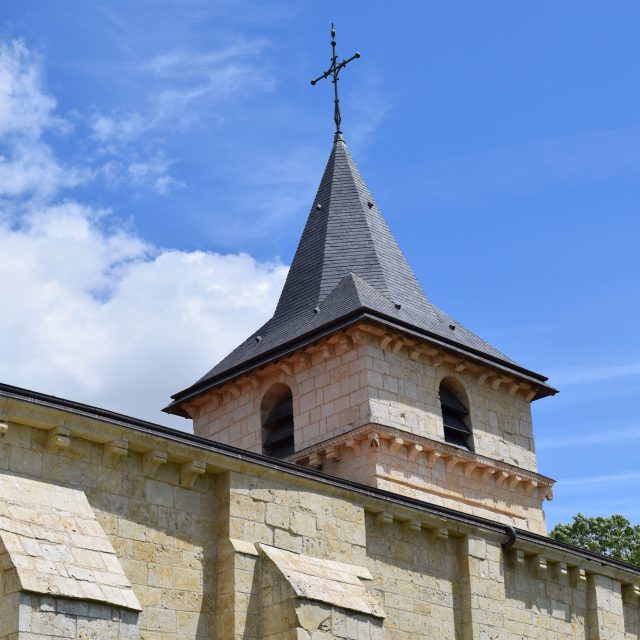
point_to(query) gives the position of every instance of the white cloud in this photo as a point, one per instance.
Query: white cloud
(599, 480)
(101, 317)
(603, 373)
(25, 109)
(89, 310)
(602, 437)
(27, 164)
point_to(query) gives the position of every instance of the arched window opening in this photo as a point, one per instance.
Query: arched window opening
(455, 416)
(276, 412)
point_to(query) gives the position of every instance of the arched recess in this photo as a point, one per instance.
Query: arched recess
(454, 405)
(276, 416)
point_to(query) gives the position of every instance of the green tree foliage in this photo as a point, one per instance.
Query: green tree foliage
(614, 536)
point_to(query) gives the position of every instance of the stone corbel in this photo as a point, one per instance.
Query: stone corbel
(332, 454)
(383, 518)
(437, 360)
(374, 440)
(495, 385)
(558, 569)
(415, 353)
(4, 426)
(537, 564)
(460, 367)
(530, 486)
(487, 473)
(414, 451)
(326, 352)
(234, 390)
(286, 368)
(546, 493)
(385, 341)
(439, 534)
(354, 445)
(315, 461)
(469, 468)
(452, 463)
(433, 457)
(112, 451)
(514, 482)
(630, 593)
(151, 461)
(396, 444)
(501, 477)
(58, 439)
(413, 525)
(345, 342)
(190, 472)
(483, 377)
(516, 556)
(397, 345)
(577, 576)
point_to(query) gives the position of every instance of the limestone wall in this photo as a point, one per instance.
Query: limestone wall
(163, 534)
(329, 392)
(404, 394)
(47, 618)
(348, 381)
(220, 547)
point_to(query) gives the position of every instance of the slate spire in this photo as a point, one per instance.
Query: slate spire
(345, 232)
(347, 267)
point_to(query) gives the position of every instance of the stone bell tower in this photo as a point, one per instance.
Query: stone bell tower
(359, 375)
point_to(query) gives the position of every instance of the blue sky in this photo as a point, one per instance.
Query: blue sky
(158, 161)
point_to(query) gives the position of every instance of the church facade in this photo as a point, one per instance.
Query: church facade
(362, 466)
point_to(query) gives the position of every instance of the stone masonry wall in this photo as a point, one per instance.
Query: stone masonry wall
(329, 392)
(433, 581)
(190, 550)
(45, 618)
(163, 534)
(404, 394)
(340, 386)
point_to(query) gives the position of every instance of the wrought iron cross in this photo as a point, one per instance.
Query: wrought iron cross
(333, 71)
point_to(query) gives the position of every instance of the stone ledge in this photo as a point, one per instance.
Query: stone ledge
(327, 581)
(433, 450)
(56, 545)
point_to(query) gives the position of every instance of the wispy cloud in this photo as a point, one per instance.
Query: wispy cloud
(586, 375)
(598, 480)
(182, 83)
(603, 436)
(477, 178)
(89, 316)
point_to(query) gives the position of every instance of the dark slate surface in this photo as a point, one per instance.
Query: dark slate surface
(347, 260)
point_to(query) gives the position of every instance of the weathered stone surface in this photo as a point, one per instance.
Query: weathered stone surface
(333, 583)
(56, 544)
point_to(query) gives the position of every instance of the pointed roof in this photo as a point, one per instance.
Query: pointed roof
(347, 266)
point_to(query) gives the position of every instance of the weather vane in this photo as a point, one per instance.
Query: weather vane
(333, 71)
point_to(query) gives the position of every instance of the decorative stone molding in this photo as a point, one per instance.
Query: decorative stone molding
(190, 472)
(113, 451)
(151, 461)
(417, 446)
(58, 438)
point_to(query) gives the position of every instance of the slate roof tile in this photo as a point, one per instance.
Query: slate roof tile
(347, 260)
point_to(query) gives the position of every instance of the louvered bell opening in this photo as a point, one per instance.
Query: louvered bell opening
(281, 410)
(278, 426)
(456, 430)
(448, 400)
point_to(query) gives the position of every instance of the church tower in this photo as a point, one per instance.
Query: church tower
(359, 375)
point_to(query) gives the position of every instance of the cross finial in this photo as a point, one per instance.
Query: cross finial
(333, 71)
